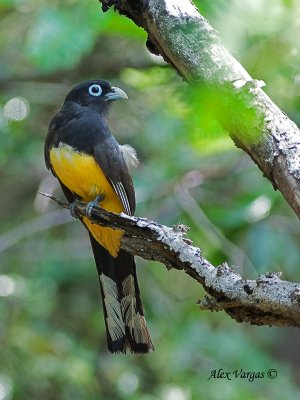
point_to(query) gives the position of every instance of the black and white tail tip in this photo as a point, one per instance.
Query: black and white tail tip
(124, 318)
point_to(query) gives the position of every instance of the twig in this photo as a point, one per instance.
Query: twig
(59, 202)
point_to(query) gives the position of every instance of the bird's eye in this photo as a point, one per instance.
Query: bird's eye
(95, 90)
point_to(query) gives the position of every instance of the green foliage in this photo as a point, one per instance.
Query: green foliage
(52, 338)
(63, 35)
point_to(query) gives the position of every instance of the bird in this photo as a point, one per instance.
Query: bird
(91, 166)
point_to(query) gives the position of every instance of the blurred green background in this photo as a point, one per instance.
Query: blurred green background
(52, 339)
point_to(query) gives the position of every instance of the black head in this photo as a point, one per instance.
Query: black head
(95, 93)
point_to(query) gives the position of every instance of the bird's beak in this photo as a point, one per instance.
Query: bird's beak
(115, 94)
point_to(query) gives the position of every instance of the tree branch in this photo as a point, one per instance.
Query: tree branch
(268, 300)
(186, 41)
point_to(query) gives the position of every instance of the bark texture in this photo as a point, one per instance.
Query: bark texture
(185, 39)
(268, 300)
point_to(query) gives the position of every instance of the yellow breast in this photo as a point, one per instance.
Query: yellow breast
(81, 174)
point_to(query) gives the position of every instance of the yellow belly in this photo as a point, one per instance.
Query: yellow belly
(81, 174)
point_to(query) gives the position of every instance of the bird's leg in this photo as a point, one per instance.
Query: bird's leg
(92, 204)
(72, 207)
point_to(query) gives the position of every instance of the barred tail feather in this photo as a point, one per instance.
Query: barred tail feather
(114, 319)
(135, 323)
(125, 323)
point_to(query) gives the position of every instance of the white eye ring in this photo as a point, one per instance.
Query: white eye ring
(95, 90)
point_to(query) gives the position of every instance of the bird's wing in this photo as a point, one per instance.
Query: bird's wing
(110, 158)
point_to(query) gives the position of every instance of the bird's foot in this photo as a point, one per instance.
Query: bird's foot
(94, 203)
(72, 207)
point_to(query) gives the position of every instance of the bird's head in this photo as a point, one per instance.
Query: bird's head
(95, 93)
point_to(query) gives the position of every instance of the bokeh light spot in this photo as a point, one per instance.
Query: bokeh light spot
(128, 383)
(7, 287)
(5, 387)
(16, 109)
(258, 209)
(175, 393)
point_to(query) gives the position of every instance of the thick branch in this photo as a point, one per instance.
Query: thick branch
(185, 39)
(265, 301)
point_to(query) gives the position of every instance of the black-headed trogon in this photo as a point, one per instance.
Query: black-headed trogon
(85, 157)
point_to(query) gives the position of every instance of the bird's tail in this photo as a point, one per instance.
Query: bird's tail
(126, 326)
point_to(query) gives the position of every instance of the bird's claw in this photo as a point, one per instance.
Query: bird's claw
(92, 204)
(72, 207)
